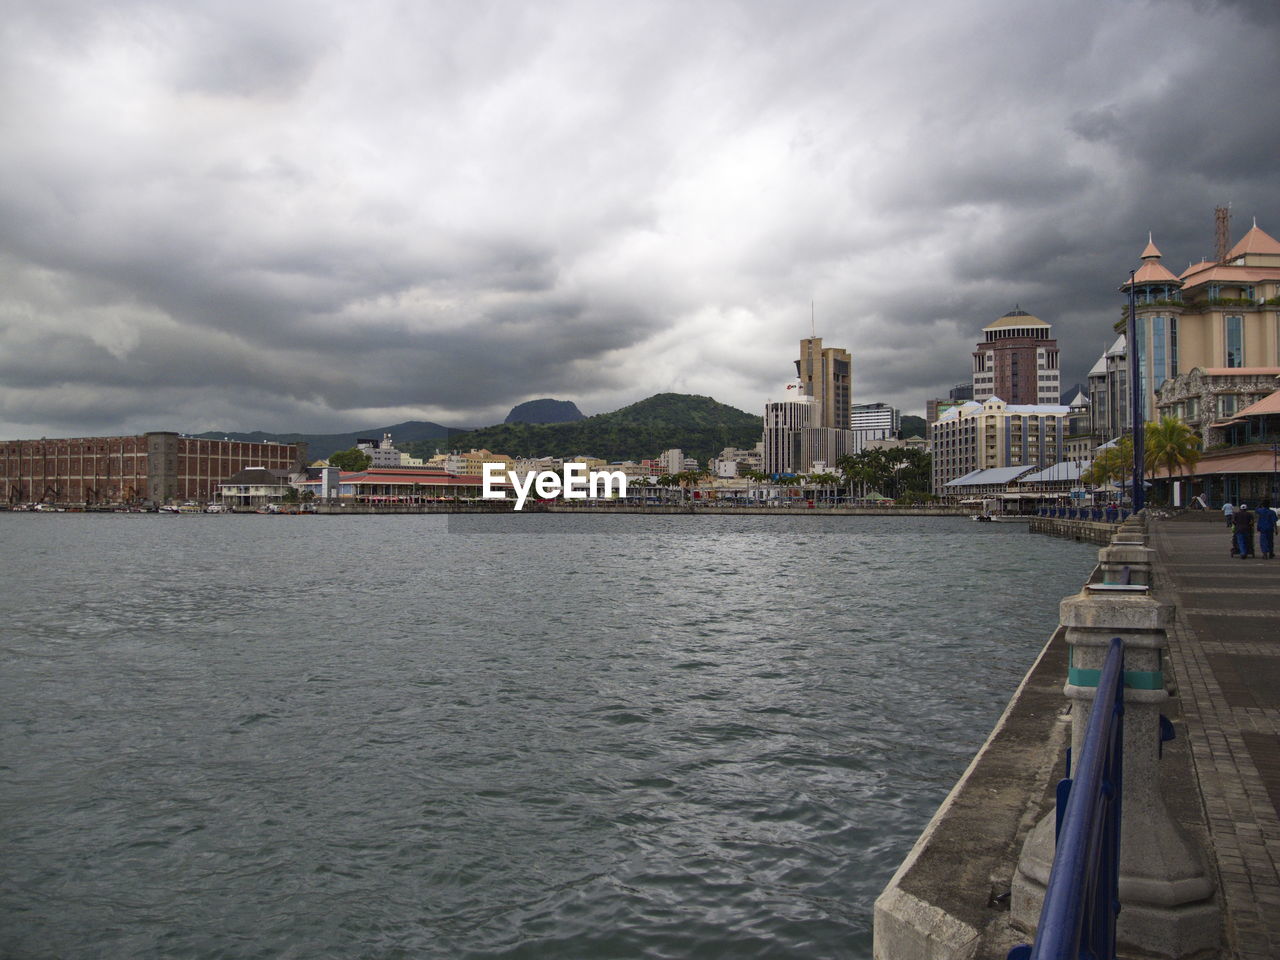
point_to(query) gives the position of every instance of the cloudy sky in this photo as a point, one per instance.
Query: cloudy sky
(304, 216)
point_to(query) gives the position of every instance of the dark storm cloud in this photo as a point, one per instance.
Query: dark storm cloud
(287, 216)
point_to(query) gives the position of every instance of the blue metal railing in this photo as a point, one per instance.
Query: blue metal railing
(1082, 900)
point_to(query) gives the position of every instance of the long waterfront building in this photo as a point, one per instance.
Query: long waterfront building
(152, 467)
(980, 436)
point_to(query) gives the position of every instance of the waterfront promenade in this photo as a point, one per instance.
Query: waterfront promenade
(1219, 780)
(1225, 648)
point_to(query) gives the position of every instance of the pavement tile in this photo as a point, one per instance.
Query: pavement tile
(1224, 648)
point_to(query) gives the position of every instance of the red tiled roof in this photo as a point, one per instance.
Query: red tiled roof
(1253, 461)
(1225, 273)
(1151, 250)
(1151, 271)
(1269, 404)
(1256, 240)
(408, 479)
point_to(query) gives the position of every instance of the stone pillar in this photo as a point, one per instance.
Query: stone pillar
(1166, 895)
(1126, 550)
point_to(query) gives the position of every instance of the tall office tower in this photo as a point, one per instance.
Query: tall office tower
(874, 421)
(825, 375)
(1017, 361)
(784, 423)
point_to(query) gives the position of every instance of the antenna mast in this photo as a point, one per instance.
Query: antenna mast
(813, 321)
(1222, 224)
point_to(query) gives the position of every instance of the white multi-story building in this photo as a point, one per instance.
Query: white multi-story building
(671, 461)
(794, 438)
(873, 421)
(980, 436)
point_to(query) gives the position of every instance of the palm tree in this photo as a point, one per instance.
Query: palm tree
(825, 482)
(1115, 463)
(1171, 445)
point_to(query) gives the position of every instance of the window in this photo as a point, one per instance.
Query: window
(1173, 346)
(1157, 351)
(1144, 375)
(1235, 341)
(1227, 405)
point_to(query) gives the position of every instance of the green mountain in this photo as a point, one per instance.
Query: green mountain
(544, 411)
(320, 445)
(912, 426)
(699, 426)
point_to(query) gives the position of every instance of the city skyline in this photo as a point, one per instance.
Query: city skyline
(286, 217)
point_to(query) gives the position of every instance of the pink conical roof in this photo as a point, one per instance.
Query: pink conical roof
(1151, 250)
(1152, 271)
(1256, 240)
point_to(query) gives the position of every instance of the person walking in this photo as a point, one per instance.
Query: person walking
(1242, 524)
(1227, 511)
(1266, 524)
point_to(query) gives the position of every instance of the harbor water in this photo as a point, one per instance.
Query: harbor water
(545, 736)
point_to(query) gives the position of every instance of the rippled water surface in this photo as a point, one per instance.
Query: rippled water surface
(520, 736)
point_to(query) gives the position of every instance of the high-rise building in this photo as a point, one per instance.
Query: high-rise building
(873, 421)
(1109, 393)
(794, 441)
(783, 422)
(1017, 361)
(825, 375)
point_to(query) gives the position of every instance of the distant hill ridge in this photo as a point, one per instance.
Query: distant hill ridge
(545, 411)
(699, 426)
(321, 445)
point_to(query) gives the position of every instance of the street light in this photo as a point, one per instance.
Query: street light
(1275, 485)
(1136, 392)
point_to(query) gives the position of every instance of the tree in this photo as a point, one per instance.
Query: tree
(825, 481)
(1114, 464)
(1171, 445)
(350, 461)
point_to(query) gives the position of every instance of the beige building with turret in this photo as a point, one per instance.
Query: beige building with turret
(1215, 315)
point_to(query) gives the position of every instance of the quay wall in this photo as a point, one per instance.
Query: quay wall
(949, 899)
(1086, 531)
(498, 506)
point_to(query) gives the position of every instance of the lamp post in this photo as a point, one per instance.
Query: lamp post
(1135, 389)
(1275, 485)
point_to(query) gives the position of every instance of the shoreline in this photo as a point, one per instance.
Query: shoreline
(671, 509)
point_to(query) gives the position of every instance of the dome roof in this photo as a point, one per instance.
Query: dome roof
(1017, 317)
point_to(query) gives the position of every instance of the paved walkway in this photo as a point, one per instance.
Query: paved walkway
(1225, 648)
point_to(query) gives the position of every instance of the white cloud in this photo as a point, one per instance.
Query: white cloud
(298, 217)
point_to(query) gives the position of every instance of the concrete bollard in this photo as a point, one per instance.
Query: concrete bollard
(1166, 895)
(1129, 552)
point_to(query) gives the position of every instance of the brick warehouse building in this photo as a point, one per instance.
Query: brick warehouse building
(155, 467)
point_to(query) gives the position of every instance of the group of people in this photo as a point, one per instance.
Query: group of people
(1243, 521)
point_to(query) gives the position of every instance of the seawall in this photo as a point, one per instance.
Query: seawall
(1086, 531)
(950, 897)
(685, 509)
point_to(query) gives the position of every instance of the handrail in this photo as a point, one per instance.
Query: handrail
(1082, 898)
